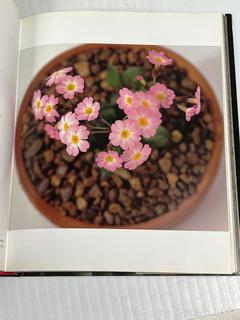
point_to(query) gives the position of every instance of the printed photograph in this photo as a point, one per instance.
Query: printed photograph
(121, 136)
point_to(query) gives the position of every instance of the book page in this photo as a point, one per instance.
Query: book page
(175, 203)
(9, 32)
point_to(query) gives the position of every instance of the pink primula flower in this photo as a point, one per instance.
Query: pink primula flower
(67, 121)
(48, 109)
(158, 58)
(57, 76)
(52, 132)
(124, 133)
(109, 160)
(135, 156)
(144, 100)
(146, 120)
(37, 105)
(87, 109)
(76, 140)
(198, 98)
(163, 95)
(190, 112)
(69, 86)
(125, 101)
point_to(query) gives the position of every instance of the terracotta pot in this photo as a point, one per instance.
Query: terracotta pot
(167, 220)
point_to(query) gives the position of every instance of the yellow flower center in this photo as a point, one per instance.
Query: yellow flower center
(128, 100)
(38, 104)
(136, 156)
(48, 108)
(160, 96)
(71, 86)
(89, 110)
(75, 139)
(109, 159)
(125, 134)
(143, 122)
(65, 126)
(159, 59)
(145, 103)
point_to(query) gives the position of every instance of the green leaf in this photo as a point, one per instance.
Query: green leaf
(113, 98)
(109, 114)
(113, 77)
(104, 172)
(160, 139)
(129, 77)
(110, 102)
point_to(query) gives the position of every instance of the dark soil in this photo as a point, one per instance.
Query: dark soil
(78, 188)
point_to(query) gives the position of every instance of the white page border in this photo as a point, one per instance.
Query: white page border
(126, 27)
(119, 250)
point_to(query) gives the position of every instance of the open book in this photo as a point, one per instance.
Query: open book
(117, 143)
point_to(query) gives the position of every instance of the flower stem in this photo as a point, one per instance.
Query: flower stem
(181, 107)
(192, 100)
(95, 127)
(105, 131)
(105, 121)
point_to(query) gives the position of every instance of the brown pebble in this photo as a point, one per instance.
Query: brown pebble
(207, 117)
(33, 149)
(55, 181)
(184, 178)
(188, 84)
(62, 170)
(43, 185)
(192, 158)
(183, 147)
(65, 193)
(88, 156)
(71, 208)
(79, 189)
(88, 182)
(172, 179)
(66, 157)
(95, 68)
(37, 170)
(95, 173)
(115, 208)
(117, 220)
(153, 192)
(160, 209)
(105, 184)
(176, 136)
(108, 217)
(140, 194)
(165, 164)
(196, 135)
(154, 155)
(106, 86)
(135, 183)
(95, 192)
(81, 203)
(123, 173)
(118, 181)
(98, 220)
(71, 178)
(82, 68)
(162, 184)
(209, 144)
(112, 195)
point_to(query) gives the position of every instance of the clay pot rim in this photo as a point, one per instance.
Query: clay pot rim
(163, 221)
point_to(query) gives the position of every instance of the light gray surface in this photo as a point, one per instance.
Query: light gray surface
(117, 298)
(135, 298)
